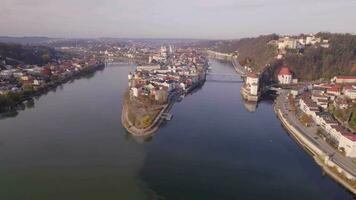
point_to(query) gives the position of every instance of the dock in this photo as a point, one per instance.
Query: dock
(167, 116)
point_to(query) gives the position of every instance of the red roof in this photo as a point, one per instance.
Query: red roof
(344, 132)
(349, 87)
(346, 77)
(323, 85)
(350, 136)
(285, 71)
(334, 88)
(251, 75)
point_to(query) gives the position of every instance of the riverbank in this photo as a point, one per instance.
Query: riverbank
(322, 158)
(245, 93)
(229, 58)
(10, 103)
(158, 120)
(153, 127)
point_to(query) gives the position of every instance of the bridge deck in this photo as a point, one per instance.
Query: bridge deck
(218, 77)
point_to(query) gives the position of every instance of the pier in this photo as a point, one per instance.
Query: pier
(167, 116)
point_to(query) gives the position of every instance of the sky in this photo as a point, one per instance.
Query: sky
(198, 19)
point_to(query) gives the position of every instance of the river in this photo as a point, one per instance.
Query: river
(71, 145)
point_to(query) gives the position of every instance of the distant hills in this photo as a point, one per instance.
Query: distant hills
(25, 40)
(310, 63)
(49, 40)
(15, 54)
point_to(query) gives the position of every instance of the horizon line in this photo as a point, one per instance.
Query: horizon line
(169, 38)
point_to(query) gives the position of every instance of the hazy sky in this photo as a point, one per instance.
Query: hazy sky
(174, 18)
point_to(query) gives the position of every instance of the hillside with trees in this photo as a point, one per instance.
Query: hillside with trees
(25, 54)
(310, 63)
(253, 52)
(315, 63)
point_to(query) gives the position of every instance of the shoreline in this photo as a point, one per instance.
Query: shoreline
(49, 86)
(317, 154)
(158, 120)
(152, 128)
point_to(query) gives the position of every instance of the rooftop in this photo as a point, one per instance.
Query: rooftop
(285, 71)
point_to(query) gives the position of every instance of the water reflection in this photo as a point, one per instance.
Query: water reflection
(13, 111)
(9, 114)
(30, 103)
(68, 144)
(214, 149)
(139, 139)
(250, 106)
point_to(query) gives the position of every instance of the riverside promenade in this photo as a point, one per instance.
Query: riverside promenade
(340, 168)
(238, 68)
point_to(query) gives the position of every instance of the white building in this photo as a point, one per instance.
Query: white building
(285, 76)
(6, 73)
(134, 91)
(348, 144)
(252, 83)
(254, 89)
(250, 89)
(37, 82)
(312, 40)
(308, 106)
(129, 76)
(325, 120)
(148, 67)
(251, 79)
(344, 79)
(287, 43)
(350, 92)
(345, 140)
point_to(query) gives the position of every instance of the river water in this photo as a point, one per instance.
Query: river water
(71, 145)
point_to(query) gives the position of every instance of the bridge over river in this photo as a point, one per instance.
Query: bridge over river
(226, 78)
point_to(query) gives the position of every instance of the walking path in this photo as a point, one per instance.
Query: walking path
(323, 148)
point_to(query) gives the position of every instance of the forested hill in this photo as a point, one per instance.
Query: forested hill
(17, 54)
(313, 62)
(254, 52)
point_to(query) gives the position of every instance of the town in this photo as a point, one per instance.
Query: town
(319, 116)
(323, 102)
(153, 88)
